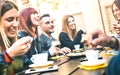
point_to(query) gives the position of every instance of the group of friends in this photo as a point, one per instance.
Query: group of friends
(27, 33)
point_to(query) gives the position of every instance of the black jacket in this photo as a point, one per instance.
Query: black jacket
(67, 42)
(34, 49)
(39, 45)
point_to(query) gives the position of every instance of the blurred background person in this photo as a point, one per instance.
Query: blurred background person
(69, 35)
(47, 28)
(116, 14)
(114, 64)
(9, 47)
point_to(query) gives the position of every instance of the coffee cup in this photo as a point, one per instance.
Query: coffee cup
(39, 58)
(77, 46)
(92, 55)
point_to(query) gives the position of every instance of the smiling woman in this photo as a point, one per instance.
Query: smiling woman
(29, 20)
(7, 22)
(69, 35)
(10, 47)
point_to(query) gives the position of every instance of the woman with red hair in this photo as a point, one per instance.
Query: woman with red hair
(28, 22)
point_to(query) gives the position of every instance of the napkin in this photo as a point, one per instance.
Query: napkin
(93, 67)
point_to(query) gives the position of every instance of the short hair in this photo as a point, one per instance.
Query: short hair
(44, 15)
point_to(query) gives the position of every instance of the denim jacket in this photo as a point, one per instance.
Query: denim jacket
(9, 68)
(34, 49)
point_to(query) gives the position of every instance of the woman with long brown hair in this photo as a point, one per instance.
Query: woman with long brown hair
(69, 35)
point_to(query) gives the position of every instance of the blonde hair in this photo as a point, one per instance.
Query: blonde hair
(5, 43)
(65, 27)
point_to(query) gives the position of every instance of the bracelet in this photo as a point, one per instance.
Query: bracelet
(7, 57)
(116, 46)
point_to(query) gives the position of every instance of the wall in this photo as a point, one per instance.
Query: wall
(89, 14)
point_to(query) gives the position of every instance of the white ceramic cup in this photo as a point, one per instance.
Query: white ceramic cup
(92, 55)
(77, 46)
(39, 58)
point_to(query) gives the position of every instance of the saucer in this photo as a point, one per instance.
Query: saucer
(93, 67)
(94, 63)
(40, 70)
(78, 50)
(76, 54)
(56, 57)
(39, 65)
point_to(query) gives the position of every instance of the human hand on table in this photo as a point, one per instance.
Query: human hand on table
(56, 50)
(65, 50)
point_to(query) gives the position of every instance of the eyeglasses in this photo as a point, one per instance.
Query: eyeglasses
(48, 22)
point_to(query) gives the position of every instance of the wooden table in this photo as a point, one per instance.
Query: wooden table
(66, 66)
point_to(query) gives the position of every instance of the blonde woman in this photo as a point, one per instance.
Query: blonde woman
(69, 35)
(9, 47)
